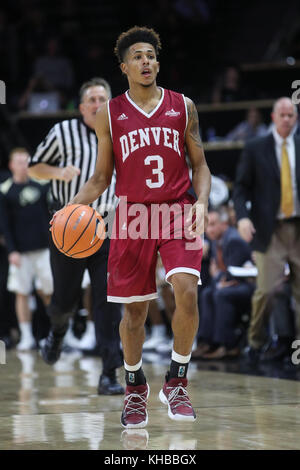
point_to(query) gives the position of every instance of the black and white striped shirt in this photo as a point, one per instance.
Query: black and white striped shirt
(72, 142)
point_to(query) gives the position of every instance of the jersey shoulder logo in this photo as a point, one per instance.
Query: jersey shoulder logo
(172, 113)
(122, 117)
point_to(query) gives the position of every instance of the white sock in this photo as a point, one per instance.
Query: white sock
(133, 368)
(179, 358)
(25, 329)
(90, 327)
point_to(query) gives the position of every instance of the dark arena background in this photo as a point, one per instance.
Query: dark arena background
(234, 61)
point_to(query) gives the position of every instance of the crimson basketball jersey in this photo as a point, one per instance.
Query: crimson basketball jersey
(149, 148)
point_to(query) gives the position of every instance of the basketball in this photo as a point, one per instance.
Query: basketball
(78, 231)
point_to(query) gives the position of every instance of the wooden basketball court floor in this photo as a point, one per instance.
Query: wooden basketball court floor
(57, 407)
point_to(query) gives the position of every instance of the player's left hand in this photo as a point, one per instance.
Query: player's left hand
(198, 215)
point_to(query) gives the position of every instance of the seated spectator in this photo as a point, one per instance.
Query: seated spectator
(225, 300)
(228, 212)
(228, 86)
(52, 74)
(250, 128)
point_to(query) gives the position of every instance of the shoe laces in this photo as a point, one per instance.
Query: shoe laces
(136, 403)
(178, 396)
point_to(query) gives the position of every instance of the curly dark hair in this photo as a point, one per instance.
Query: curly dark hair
(134, 35)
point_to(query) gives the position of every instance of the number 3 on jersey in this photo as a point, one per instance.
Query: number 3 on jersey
(155, 171)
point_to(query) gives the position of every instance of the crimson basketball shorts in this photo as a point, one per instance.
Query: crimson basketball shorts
(141, 231)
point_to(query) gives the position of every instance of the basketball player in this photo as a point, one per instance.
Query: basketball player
(24, 222)
(67, 157)
(143, 133)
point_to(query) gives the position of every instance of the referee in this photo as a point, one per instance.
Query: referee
(67, 157)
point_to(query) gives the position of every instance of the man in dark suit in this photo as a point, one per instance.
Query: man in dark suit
(268, 176)
(228, 297)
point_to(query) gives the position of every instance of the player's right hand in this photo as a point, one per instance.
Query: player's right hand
(69, 172)
(55, 215)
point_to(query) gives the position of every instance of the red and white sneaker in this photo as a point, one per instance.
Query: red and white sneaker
(134, 413)
(174, 395)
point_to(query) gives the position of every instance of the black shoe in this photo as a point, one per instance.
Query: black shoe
(276, 352)
(109, 386)
(8, 341)
(52, 348)
(251, 355)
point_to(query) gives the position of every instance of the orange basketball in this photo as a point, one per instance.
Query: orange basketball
(78, 231)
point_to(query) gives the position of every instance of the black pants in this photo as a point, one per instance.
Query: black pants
(8, 317)
(67, 276)
(282, 313)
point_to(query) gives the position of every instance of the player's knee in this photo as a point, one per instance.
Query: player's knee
(134, 316)
(187, 298)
